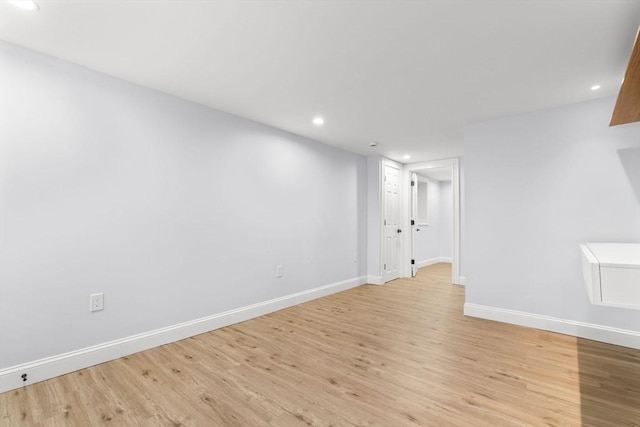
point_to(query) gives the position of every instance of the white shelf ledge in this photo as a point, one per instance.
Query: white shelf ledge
(611, 273)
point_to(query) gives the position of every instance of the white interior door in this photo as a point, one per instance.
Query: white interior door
(391, 221)
(414, 222)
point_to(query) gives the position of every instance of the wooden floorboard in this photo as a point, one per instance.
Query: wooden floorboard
(393, 355)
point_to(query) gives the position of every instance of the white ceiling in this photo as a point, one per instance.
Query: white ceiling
(408, 74)
(438, 174)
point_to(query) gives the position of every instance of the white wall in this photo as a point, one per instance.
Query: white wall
(374, 209)
(445, 233)
(463, 213)
(537, 185)
(435, 241)
(173, 210)
(427, 242)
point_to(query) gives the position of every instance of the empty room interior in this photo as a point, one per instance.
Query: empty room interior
(325, 213)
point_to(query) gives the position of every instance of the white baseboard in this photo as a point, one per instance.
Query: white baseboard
(375, 280)
(432, 261)
(623, 337)
(44, 369)
(463, 281)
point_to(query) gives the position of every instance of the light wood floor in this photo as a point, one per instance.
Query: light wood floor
(393, 355)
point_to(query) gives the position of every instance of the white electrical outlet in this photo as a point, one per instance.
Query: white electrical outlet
(279, 271)
(96, 302)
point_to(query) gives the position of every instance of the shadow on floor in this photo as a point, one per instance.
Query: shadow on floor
(609, 384)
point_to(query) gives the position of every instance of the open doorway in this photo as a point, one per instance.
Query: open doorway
(433, 216)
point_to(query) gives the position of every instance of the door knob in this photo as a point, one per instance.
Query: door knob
(399, 231)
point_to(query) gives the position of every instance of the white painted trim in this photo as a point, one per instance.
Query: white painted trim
(623, 337)
(427, 262)
(454, 164)
(375, 280)
(44, 369)
(463, 281)
(381, 215)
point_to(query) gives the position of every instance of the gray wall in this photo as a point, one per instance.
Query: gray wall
(173, 210)
(537, 185)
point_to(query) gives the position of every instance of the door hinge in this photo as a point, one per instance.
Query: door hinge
(413, 183)
(413, 222)
(413, 261)
(385, 222)
(385, 266)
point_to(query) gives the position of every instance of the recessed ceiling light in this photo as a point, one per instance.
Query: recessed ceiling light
(318, 121)
(406, 157)
(25, 4)
(595, 87)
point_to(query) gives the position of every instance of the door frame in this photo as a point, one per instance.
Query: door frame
(413, 218)
(454, 164)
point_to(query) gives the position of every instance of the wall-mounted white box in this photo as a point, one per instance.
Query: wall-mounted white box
(611, 273)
